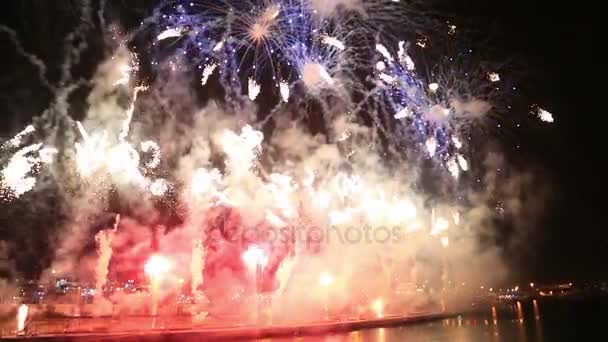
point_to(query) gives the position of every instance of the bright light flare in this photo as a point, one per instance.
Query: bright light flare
(21, 317)
(255, 257)
(378, 307)
(157, 266)
(325, 279)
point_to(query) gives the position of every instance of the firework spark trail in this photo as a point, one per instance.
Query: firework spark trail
(104, 250)
(207, 72)
(33, 59)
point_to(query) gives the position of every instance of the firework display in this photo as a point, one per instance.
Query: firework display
(316, 201)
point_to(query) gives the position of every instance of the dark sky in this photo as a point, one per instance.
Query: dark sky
(555, 42)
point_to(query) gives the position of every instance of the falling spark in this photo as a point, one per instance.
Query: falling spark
(207, 72)
(284, 90)
(433, 87)
(404, 58)
(345, 135)
(218, 46)
(254, 89)
(431, 146)
(463, 163)
(384, 52)
(170, 33)
(544, 115)
(493, 77)
(421, 42)
(451, 29)
(404, 113)
(333, 41)
(457, 142)
(453, 168)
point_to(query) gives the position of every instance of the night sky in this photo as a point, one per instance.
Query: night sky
(554, 43)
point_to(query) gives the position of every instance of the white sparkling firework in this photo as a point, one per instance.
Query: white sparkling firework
(421, 42)
(170, 33)
(451, 29)
(253, 89)
(404, 58)
(218, 46)
(159, 187)
(431, 146)
(242, 149)
(125, 72)
(15, 176)
(453, 168)
(463, 163)
(433, 87)
(457, 142)
(16, 140)
(493, 77)
(384, 52)
(333, 41)
(404, 113)
(544, 115)
(284, 90)
(207, 72)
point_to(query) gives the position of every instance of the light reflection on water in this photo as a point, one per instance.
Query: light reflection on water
(518, 321)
